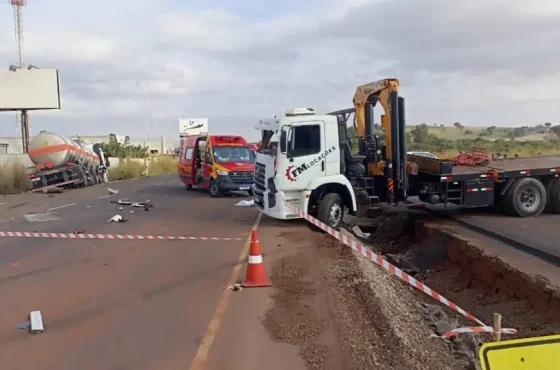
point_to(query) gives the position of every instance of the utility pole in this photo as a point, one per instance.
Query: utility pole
(148, 136)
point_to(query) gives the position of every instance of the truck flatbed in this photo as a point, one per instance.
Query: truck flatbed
(503, 168)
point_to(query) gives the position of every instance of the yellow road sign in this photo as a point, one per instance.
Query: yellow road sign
(539, 353)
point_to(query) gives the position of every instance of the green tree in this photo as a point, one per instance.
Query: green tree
(420, 133)
(547, 124)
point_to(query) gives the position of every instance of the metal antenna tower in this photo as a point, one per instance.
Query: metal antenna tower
(18, 26)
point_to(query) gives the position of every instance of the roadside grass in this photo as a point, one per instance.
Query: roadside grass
(163, 164)
(127, 169)
(14, 179)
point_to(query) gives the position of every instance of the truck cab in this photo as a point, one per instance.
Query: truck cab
(304, 169)
(219, 163)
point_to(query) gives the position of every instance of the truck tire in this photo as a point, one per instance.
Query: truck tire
(526, 197)
(331, 210)
(214, 189)
(553, 196)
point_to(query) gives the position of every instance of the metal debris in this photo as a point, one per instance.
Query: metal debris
(236, 287)
(116, 218)
(123, 201)
(36, 322)
(245, 203)
(53, 190)
(112, 191)
(80, 230)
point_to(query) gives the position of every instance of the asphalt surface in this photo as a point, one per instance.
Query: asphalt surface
(116, 304)
(539, 233)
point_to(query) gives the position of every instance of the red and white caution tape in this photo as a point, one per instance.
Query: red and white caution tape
(379, 260)
(473, 329)
(26, 234)
(55, 186)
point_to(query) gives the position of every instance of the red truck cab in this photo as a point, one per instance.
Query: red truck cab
(219, 163)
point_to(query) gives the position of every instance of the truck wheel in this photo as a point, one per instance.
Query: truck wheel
(553, 196)
(250, 192)
(331, 210)
(525, 198)
(188, 187)
(214, 189)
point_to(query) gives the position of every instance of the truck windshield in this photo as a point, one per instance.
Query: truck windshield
(232, 154)
(269, 142)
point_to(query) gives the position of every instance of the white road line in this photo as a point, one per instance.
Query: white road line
(158, 184)
(2, 204)
(64, 206)
(137, 189)
(106, 196)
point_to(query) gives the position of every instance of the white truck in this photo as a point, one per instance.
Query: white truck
(305, 169)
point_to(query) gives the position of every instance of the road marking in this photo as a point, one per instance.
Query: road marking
(2, 204)
(106, 196)
(137, 189)
(64, 206)
(204, 348)
(158, 184)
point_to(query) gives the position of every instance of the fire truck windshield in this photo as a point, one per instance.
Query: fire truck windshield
(224, 154)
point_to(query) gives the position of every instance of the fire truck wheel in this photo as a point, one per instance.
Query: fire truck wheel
(188, 187)
(331, 210)
(526, 197)
(214, 189)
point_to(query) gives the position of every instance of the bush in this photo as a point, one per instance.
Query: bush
(14, 179)
(163, 164)
(127, 169)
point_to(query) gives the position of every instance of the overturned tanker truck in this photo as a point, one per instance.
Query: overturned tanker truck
(60, 161)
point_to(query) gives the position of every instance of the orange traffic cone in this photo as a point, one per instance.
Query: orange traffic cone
(256, 275)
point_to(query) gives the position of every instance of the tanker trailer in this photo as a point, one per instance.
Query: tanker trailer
(59, 160)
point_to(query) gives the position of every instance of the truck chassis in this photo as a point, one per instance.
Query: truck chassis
(523, 187)
(82, 176)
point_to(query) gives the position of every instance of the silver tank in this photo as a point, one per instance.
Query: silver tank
(57, 151)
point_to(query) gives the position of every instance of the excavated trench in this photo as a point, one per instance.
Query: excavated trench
(463, 272)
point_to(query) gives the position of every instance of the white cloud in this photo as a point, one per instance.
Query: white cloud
(479, 62)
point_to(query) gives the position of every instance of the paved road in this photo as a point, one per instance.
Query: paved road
(541, 233)
(111, 304)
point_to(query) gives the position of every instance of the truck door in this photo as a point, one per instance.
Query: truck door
(207, 166)
(185, 165)
(304, 155)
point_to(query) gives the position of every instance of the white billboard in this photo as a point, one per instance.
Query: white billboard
(29, 89)
(193, 126)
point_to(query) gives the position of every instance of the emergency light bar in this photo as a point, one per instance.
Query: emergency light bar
(299, 112)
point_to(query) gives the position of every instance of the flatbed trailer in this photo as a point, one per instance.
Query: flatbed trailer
(522, 187)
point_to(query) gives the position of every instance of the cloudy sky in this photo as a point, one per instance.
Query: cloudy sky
(479, 62)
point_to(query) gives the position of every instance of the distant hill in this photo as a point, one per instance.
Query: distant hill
(525, 133)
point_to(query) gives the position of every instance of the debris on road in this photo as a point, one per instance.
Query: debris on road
(54, 190)
(116, 218)
(24, 325)
(112, 191)
(80, 230)
(235, 287)
(359, 233)
(36, 322)
(123, 201)
(245, 203)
